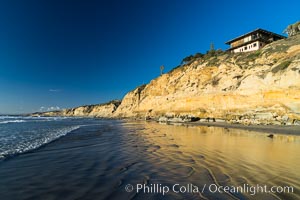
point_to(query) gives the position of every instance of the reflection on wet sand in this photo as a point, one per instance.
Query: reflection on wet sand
(222, 156)
(99, 161)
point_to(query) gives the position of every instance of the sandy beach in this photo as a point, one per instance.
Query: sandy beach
(272, 129)
(110, 160)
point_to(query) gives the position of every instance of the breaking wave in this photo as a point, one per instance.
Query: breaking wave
(12, 121)
(9, 148)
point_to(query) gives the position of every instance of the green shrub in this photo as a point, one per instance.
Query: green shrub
(213, 62)
(191, 58)
(281, 66)
(254, 55)
(215, 81)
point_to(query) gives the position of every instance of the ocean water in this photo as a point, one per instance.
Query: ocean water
(77, 158)
(22, 134)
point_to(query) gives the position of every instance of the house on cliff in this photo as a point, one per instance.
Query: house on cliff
(252, 41)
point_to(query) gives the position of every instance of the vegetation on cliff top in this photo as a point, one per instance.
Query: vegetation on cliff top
(116, 102)
(244, 59)
(205, 72)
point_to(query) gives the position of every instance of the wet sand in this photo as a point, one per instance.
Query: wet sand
(97, 162)
(287, 129)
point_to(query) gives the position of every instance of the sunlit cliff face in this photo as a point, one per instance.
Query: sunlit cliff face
(261, 86)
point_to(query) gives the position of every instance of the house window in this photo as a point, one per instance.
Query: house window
(254, 45)
(245, 48)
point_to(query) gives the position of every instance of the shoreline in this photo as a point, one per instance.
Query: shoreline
(134, 152)
(272, 129)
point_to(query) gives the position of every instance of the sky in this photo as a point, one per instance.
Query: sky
(58, 54)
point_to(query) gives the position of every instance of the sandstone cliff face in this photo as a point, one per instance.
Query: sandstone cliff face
(261, 87)
(255, 87)
(100, 110)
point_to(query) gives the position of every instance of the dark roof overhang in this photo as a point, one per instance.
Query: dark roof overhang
(253, 32)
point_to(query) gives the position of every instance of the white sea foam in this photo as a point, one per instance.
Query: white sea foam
(34, 143)
(12, 121)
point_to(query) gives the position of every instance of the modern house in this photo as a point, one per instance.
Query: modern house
(252, 41)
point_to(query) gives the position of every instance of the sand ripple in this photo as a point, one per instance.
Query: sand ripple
(98, 162)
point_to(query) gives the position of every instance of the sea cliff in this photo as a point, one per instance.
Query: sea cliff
(260, 87)
(104, 110)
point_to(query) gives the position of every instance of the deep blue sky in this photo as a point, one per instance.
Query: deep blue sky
(71, 53)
